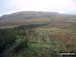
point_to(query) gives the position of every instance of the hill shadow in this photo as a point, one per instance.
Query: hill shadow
(33, 25)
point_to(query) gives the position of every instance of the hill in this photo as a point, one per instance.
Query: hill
(37, 34)
(31, 17)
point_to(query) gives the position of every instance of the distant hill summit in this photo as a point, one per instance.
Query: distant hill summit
(33, 17)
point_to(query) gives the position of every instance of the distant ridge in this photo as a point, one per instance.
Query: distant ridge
(32, 17)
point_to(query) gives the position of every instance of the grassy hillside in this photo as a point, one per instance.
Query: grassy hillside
(37, 42)
(43, 34)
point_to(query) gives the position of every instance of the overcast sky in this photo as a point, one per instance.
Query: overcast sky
(60, 6)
